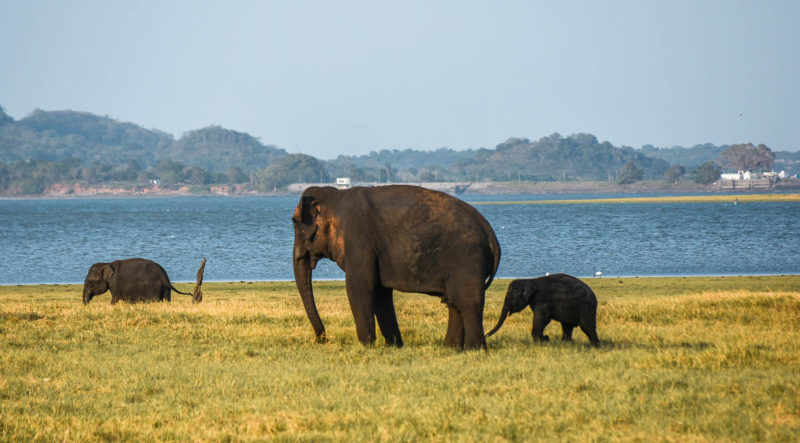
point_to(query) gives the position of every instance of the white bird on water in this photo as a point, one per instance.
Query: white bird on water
(598, 274)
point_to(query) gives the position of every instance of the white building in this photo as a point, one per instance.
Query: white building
(343, 182)
(772, 174)
(739, 175)
(747, 175)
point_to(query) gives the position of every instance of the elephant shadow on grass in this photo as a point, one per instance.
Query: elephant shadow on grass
(607, 344)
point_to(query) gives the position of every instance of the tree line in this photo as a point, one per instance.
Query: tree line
(46, 148)
(36, 176)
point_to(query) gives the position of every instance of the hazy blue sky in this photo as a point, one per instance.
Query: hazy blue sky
(339, 77)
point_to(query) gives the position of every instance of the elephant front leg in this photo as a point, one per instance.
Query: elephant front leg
(455, 329)
(361, 296)
(566, 331)
(387, 317)
(540, 321)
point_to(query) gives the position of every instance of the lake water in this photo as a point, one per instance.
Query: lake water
(250, 238)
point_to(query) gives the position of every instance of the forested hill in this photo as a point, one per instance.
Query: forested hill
(217, 149)
(576, 157)
(89, 138)
(49, 147)
(59, 135)
(687, 157)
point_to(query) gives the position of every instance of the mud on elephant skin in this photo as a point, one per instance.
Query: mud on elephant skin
(397, 237)
(559, 297)
(135, 280)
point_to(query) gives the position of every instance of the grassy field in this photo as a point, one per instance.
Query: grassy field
(682, 359)
(719, 198)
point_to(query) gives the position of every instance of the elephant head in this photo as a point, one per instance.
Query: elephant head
(519, 295)
(317, 235)
(97, 280)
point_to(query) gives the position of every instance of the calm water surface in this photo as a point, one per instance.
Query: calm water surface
(250, 238)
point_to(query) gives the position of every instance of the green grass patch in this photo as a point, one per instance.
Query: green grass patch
(722, 198)
(709, 359)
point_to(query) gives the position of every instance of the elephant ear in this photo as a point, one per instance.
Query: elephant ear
(107, 271)
(530, 291)
(305, 217)
(309, 209)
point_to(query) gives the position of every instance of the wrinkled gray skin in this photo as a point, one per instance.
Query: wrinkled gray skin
(403, 238)
(559, 297)
(132, 280)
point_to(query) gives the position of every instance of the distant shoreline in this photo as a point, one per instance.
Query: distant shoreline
(728, 198)
(502, 280)
(480, 188)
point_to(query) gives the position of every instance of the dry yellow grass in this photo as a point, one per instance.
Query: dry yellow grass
(705, 359)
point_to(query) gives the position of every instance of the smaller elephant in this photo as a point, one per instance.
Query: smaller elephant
(559, 297)
(135, 280)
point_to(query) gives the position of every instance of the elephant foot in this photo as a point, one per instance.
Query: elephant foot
(397, 343)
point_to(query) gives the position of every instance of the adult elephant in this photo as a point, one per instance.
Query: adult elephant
(135, 280)
(397, 237)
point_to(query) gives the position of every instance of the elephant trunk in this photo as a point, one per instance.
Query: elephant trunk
(87, 294)
(502, 319)
(302, 277)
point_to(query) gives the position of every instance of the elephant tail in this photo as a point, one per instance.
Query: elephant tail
(197, 294)
(500, 322)
(494, 245)
(178, 291)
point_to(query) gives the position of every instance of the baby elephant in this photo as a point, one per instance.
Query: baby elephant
(559, 297)
(134, 280)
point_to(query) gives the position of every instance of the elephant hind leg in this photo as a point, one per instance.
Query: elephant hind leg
(589, 327)
(472, 317)
(566, 329)
(464, 294)
(387, 317)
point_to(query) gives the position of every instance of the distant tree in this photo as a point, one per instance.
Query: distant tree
(129, 173)
(387, 173)
(674, 173)
(97, 172)
(235, 174)
(427, 176)
(357, 174)
(629, 173)
(33, 185)
(169, 171)
(197, 175)
(706, 173)
(294, 168)
(747, 157)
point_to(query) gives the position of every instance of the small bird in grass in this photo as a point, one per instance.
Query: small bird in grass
(598, 274)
